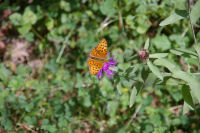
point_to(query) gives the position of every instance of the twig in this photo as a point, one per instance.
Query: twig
(193, 33)
(63, 47)
(197, 26)
(135, 113)
(184, 32)
(121, 24)
(105, 23)
(61, 52)
(176, 109)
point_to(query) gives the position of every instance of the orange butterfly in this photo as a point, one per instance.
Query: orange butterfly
(98, 57)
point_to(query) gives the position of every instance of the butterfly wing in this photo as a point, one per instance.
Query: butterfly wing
(101, 50)
(95, 66)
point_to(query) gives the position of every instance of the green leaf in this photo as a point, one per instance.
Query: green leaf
(155, 70)
(195, 12)
(29, 107)
(150, 81)
(186, 51)
(142, 26)
(133, 97)
(186, 108)
(30, 120)
(49, 24)
(45, 122)
(166, 63)
(173, 82)
(146, 46)
(192, 61)
(16, 82)
(62, 122)
(158, 55)
(197, 48)
(187, 96)
(63, 18)
(29, 17)
(29, 36)
(129, 21)
(7, 124)
(119, 88)
(107, 8)
(190, 79)
(24, 29)
(176, 52)
(23, 70)
(4, 73)
(181, 51)
(161, 42)
(15, 19)
(52, 128)
(175, 16)
(65, 5)
(112, 108)
(3, 95)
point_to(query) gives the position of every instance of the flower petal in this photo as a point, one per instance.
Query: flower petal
(112, 62)
(111, 58)
(110, 72)
(99, 74)
(112, 66)
(108, 75)
(106, 68)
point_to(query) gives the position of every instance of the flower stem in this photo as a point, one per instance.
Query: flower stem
(193, 33)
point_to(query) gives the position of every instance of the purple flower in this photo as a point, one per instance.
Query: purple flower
(105, 68)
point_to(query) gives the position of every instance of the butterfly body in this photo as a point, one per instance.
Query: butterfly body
(98, 57)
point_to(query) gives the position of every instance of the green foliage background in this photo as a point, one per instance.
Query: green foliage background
(61, 96)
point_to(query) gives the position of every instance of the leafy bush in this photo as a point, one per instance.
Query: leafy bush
(44, 78)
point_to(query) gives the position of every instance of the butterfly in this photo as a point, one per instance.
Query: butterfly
(98, 57)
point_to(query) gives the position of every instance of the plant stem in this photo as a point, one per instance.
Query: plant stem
(193, 33)
(63, 47)
(135, 113)
(37, 34)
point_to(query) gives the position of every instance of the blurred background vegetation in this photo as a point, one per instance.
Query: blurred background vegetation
(45, 84)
